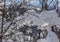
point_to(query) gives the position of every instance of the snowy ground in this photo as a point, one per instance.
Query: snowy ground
(51, 37)
(47, 17)
(50, 17)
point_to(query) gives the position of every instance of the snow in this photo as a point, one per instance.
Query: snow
(59, 3)
(51, 37)
(45, 24)
(45, 17)
(44, 21)
(9, 40)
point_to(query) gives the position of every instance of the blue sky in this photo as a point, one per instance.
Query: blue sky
(36, 2)
(33, 2)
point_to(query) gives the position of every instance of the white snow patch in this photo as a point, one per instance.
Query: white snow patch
(51, 37)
